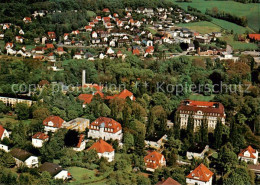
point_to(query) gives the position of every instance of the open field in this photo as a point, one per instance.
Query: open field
(201, 27)
(12, 120)
(236, 45)
(85, 176)
(200, 97)
(251, 10)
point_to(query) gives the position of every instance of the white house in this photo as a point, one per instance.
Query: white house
(154, 160)
(110, 51)
(3, 133)
(103, 150)
(52, 123)
(196, 151)
(38, 139)
(105, 128)
(94, 34)
(249, 155)
(81, 144)
(200, 176)
(4, 148)
(23, 157)
(56, 171)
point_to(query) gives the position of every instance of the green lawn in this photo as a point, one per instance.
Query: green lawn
(6, 119)
(202, 27)
(200, 97)
(85, 176)
(236, 45)
(250, 10)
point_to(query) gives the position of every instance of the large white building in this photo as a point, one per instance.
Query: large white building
(249, 155)
(105, 128)
(154, 160)
(199, 110)
(38, 139)
(56, 171)
(52, 123)
(3, 133)
(104, 150)
(200, 176)
(23, 157)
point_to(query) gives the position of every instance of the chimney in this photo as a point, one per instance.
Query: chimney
(83, 77)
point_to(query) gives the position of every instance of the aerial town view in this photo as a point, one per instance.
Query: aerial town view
(129, 92)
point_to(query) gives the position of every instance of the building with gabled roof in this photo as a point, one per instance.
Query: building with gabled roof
(55, 170)
(249, 155)
(200, 176)
(105, 128)
(154, 160)
(38, 139)
(103, 149)
(81, 145)
(122, 95)
(199, 110)
(23, 157)
(52, 123)
(3, 133)
(168, 181)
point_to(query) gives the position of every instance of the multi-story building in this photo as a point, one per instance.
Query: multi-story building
(53, 123)
(78, 124)
(104, 150)
(199, 110)
(154, 160)
(249, 155)
(105, 128)
(38, 139)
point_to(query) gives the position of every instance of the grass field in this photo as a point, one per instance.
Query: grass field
(85, 176)
(200, 97)
(12, 120)
(201, 27)
(251, 10)
(236, 45)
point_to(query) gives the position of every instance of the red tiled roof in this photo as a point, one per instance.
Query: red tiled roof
(255, 36)
(60, 49)
(105, 122)
(201, 173)
(106, 19)
(123, 95)
(136, 52)
(88, 27)
(81, 138)
(149, 49)
(95, 86)
(205, 107)
(87, 98)
(250, 150)
(52, 34)
(48, 46)
(1, 131)
(152, 160)
(9, 44)
(101, 146)
(98, 17)
(28, 18)
(56, 120)
(66, 34)
(40, 135)
(168, 181)
(106, 10)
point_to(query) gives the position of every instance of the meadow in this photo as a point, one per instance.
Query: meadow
(251, 10)
(202, 27)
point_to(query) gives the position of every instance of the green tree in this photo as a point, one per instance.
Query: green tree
(218, 132)
(22, 111)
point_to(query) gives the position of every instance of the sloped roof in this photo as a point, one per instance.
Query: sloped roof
(105, 122)
(20, 154)
(40, 135)
(204, 106)
(254, 36)
(153, 159)
(56, 120)
(1, 131)
(168, 181)
(101, 146)
(52, 168)
(250, 150)
(201, 173)
(81, 138)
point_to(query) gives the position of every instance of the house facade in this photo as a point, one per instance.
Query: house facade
(249, 155)
(52, 123)
(199, 110)
(154, 160)
(104, 150)
(200, 176)
(38, 139)
(23, 157)
(56, 171)
(3, 133)
(105, 128)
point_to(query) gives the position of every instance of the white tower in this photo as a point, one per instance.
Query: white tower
(83, 77)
